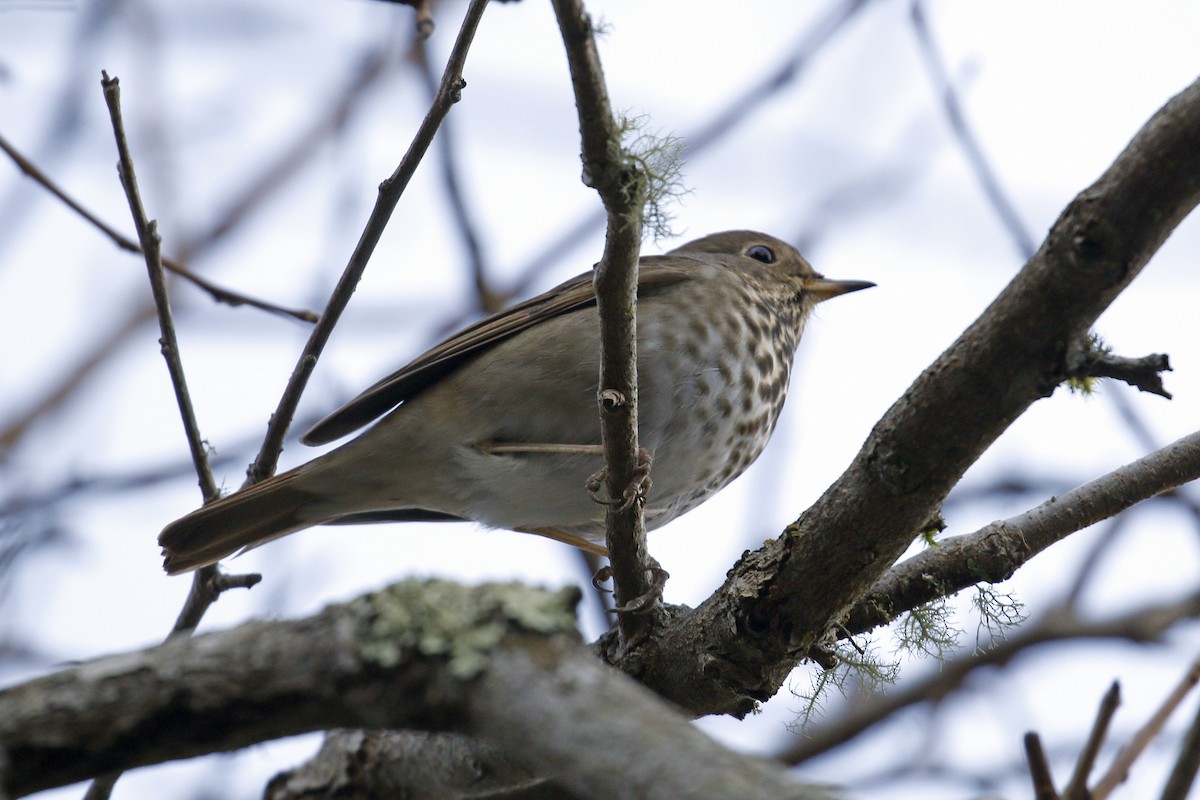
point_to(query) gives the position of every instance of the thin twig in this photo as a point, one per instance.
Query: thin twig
(966, 137)
(205, 587)
(1039, 768)
(390, 191)
(237, 211)
(487, 299)
(1183, 774)
(147, 230)
(1076, 788)
(621, 187)
(1119, 771)
(336, 113)
(1104, 543)
(1144, 373)
(218, 293)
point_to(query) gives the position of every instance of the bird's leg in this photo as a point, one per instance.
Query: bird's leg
(568, 538)
(524, 448)
(636, 490)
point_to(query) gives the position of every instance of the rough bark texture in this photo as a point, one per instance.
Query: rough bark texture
(501, 663)
(777, 602)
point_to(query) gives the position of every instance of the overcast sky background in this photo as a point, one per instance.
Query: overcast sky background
(853, 159)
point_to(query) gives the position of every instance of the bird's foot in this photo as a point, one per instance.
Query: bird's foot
(638, 486)
(643, 603)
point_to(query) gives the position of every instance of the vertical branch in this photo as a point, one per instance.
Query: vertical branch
(1118, 771)
(972, 149)
(1076, 788)
(622, 188)
(206, 584)
(1039, 768)
(1183, 774)
(448, 93)
(151, 244)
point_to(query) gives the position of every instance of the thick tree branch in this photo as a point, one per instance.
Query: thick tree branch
(740, 644)
(499, 662)
(407, 764)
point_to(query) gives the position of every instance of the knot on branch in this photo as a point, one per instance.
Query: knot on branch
(612, 401)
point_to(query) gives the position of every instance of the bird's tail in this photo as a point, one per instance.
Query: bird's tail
(268, 510)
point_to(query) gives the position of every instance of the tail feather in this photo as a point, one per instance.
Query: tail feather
(243, 520)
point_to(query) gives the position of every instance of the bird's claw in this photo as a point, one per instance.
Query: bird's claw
(643, 603)
(602, 575)
(638, 486)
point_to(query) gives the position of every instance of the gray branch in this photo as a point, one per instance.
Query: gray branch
(995, 552)
(500, 662)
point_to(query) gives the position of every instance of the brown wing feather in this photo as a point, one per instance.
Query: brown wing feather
(409, 381)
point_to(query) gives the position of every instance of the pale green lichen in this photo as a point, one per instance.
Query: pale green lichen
(860, 666)
(658, 158)
(999, 613)
(929, 630)
(441, 619)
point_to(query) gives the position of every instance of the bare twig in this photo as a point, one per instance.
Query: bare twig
(1143, 373)
(1129, 753)
(1104, 543)
(1039, 768)
(218, 293)
(147, 230)
(337, 111)
(487, 299)
(622, 188)
(390, 191)
(1076, 788)
(205, 587)
(237, 212)
(1183, 774)
(966, 137)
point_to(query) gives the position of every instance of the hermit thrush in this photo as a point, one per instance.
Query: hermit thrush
(499, 423)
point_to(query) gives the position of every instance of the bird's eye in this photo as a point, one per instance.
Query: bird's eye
(761, 253)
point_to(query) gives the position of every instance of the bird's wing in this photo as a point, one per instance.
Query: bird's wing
(654, 272)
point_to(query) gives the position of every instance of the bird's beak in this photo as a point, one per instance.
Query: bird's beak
(823, 288)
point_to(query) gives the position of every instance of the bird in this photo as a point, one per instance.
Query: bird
(499, 423)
